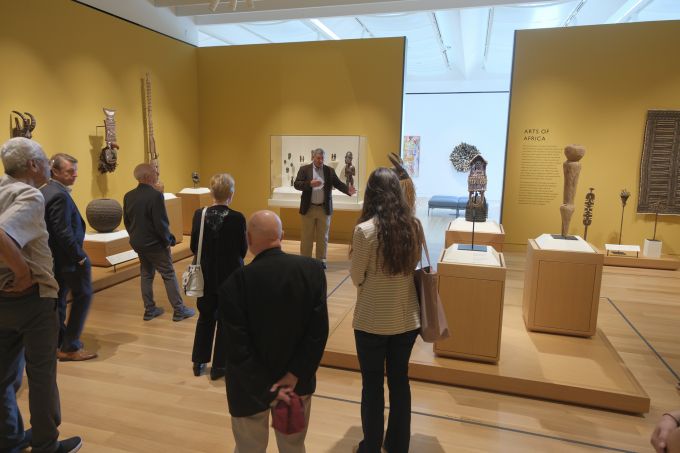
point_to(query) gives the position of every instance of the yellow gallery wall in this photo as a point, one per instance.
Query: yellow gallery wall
(249, 93)
(590, 86)
(214, 109)
(63, 62)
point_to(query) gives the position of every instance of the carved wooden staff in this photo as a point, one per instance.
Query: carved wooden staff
(153, 154)
(572, 169)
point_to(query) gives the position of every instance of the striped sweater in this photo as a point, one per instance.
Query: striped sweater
(386, 304)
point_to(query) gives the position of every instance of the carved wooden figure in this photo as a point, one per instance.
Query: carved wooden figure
(23, 125)
(477, 207)
(108, 158)
(572, 169)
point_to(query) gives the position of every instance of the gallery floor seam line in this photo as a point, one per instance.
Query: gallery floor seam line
(489, 425)
(337, 286)
(649, 345)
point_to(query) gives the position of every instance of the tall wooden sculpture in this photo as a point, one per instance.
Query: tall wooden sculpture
(153, 154)
(572, 169)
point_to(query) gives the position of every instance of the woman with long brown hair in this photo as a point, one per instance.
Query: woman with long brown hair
(385, 250)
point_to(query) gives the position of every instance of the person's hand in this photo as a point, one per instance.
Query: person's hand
(352, 190)
(82, 262)
(660, 435)
(21, 281)
(315, 183)
(285, 386)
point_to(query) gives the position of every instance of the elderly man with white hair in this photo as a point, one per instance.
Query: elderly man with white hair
(28, 317)
(146, 221)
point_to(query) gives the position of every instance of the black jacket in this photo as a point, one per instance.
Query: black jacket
(146, 219)
(303, 183)
(224, 244)
(276, 319)
(65, 226)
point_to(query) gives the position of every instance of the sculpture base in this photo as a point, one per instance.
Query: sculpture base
(472, 248)
(564, 238)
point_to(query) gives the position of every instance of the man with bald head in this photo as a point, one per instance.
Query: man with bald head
(146, 221)
(276, 319)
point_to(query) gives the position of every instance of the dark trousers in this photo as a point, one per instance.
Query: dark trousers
(79, 282)
(28, 329)
(205, 333)
(376, 354)
(159, 260)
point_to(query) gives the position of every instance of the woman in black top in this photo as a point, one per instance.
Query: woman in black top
(223, 250)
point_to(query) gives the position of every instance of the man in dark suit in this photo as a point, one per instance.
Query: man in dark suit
(146, 221)
(316, 181)
(276, 319)
(72, 268)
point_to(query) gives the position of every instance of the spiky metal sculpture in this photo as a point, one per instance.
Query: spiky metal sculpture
(462, 155)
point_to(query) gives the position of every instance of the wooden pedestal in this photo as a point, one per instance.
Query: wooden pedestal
(472, 296)
(173, 206)
(100, 245)
(561, 290)
(190, 203)
(490, 233)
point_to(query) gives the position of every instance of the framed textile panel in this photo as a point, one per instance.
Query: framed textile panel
(660, 165)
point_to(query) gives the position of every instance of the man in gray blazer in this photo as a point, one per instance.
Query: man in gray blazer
(316, 181)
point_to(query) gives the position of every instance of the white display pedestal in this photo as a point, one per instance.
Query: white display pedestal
(173, 207)
(472, 288)
(99, 246)
(486, 233)
(562, 286)
(192, 199)
(652, 249)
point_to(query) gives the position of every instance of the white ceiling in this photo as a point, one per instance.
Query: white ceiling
(453, 45)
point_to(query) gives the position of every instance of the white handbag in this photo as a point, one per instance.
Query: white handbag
(192, 279)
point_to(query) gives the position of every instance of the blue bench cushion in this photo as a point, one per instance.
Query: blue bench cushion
(443, 201)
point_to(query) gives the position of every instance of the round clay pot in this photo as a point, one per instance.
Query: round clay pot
(104, 214)
(574, 153)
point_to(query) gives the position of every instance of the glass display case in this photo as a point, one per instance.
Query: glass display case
(342, 152)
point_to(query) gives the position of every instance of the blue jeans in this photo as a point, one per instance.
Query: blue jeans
(28, 328)
(376, 354)
(79, 281)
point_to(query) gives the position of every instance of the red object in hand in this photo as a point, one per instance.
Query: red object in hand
(289, 418)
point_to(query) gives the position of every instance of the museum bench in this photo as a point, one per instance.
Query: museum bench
(447, 202)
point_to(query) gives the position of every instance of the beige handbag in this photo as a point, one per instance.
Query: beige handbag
(433, 325)
(192, 279)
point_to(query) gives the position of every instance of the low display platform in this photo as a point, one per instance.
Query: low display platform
(583, 371)
(665, 262)
(100, 245)
(104, 277)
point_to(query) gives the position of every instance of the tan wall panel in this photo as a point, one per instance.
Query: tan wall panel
(68, 61)
(249, 93)
(591, 86)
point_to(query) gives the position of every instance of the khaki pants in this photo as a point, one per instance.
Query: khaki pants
(252, 433)
(315, 227)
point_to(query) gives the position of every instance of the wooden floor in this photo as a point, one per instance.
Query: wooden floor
(140, 394)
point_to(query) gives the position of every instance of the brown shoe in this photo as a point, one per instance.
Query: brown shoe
(75, 356)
